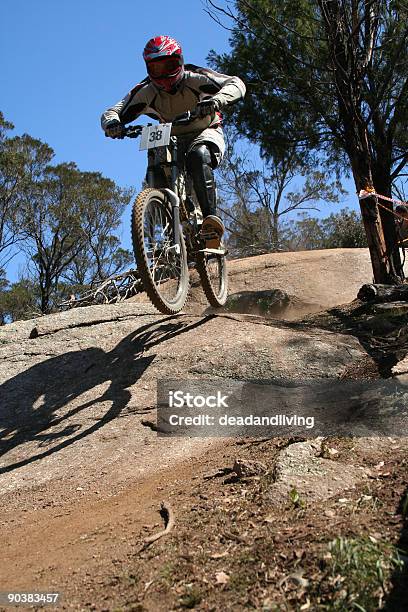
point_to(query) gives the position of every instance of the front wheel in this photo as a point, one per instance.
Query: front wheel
(162, 265)
(212, 269)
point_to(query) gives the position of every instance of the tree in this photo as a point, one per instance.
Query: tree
(20, 300)
(255, 199)
(4, 284)
(340, 230)
(21, 159)
(9, 178)
(101, 254)
(63, 218)
(68, 217)
(305, 234)
(328, 76)
(343, 230)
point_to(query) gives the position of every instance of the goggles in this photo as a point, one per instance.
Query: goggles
(164, 67)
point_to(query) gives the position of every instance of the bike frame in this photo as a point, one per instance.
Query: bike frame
(171, 193)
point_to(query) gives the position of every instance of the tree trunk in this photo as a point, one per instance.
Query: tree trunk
(45, 288)
(275, 231)
(382, 184)
(371, 218)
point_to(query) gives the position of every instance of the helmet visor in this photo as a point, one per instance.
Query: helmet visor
(164, 67)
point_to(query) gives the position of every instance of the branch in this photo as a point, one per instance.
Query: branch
(400, 166)
(216, 19)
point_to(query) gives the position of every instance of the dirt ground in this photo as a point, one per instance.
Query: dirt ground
(83, 473)
(232, 546)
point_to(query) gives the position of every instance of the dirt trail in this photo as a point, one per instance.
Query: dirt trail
(81, 469)
(318, 279)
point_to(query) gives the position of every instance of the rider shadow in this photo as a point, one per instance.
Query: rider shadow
(32, 402)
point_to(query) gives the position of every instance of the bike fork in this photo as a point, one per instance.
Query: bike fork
(173, 197)
(175, 216)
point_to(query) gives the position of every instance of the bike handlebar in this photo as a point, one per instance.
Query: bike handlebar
(185, 118)
(133, 131)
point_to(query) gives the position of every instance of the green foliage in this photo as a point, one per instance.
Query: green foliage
(344, 230)
(304, 234)
(101, 254)
(359, 573)
(3, 280)
(323, 76)
(21, 300)
(272, 47)
(69, 228)
(191, 598)
(339, 230)
(295, 498)
(21, 158)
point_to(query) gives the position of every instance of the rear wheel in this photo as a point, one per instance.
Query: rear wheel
(162, 267)
(212, 269)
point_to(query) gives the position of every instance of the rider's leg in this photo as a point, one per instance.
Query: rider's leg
(199, 166)
(200, 163)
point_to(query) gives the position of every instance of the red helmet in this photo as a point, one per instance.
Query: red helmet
(164, 62)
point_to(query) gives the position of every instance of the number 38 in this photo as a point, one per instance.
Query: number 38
(156, 136)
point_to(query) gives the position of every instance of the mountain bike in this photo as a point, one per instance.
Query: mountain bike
(166, 224)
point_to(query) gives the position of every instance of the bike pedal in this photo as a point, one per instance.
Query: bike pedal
(208, 236)
(208, 251)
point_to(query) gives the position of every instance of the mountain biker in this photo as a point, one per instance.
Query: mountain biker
(170, 89)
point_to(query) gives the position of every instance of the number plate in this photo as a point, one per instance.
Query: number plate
(155, 136)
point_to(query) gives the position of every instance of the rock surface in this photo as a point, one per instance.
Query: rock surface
(317, 279)
(73, 397)
(300, 467)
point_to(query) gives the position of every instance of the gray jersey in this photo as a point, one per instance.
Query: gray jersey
(197, 84)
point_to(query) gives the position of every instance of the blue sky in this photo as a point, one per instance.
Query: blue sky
(63, 62)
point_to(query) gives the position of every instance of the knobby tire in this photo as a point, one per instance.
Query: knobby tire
(144, 200)
(215, 288)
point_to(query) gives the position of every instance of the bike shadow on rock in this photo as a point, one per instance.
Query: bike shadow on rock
(32, 403)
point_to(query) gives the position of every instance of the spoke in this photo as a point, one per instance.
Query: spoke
(165, 265)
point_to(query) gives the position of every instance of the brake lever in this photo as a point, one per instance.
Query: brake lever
(133, 131)
(185, 118)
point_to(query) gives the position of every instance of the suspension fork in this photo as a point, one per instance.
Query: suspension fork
(172, 194)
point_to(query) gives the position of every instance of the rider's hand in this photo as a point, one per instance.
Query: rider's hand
(207, 107)
(115, 129)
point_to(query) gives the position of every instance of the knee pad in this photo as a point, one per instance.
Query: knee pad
(200, 168)
(198, 157)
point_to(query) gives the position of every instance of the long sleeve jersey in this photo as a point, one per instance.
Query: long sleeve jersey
(197, 84)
